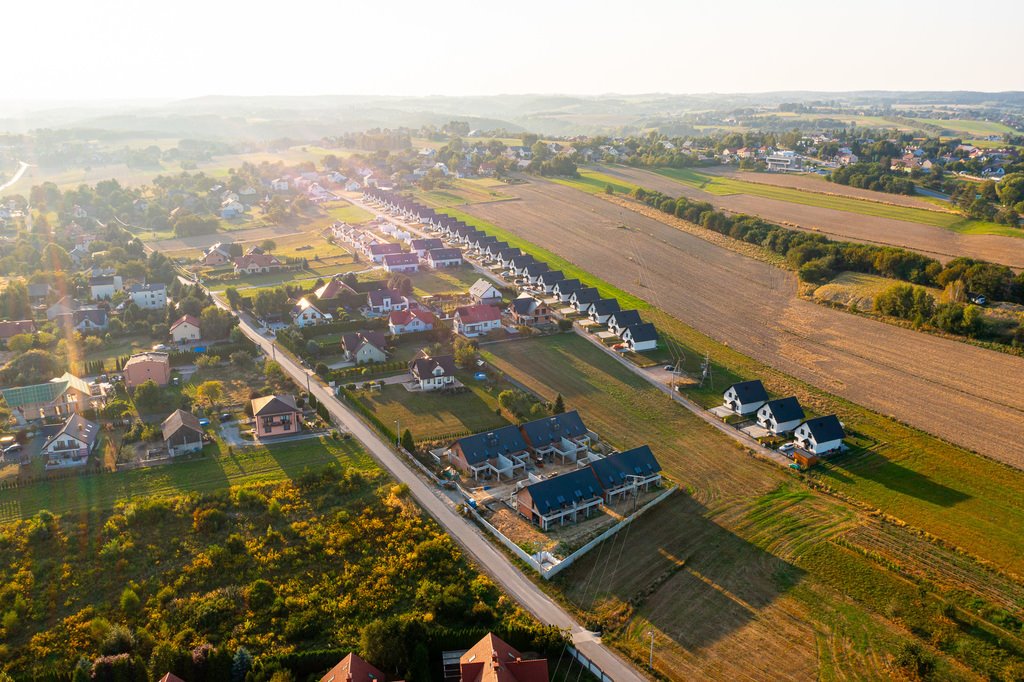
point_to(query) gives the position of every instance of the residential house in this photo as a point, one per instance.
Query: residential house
(79, 255)
(505, 256)
(378, 250)
(501, 452)
(432, 373)
(556, 500)
(517, 264)
(492, 660)
(149, 296)
(182, 433)
(148, 366)
(186, 328)
(640, 337)
(9, 328)
(334, 288)
(627, 472)
(279, 184)
(483, 292)
(85, 320)
(383, 301)
(217, 255)
(602, 309)
(37, 293)
(444, 258)
(421, 246)
(364, 347)
(492, 250)
(562, 435)
(65, 306)
(549, 279)
(476, 320)
(410, 320)
(530, 312)
(104, 288)
(72, 444)
(583, 298)
(402, 262)
(231, 208)
(781, 415)
(59, 397)
(255, 263)
(276, 415)
(305, 314)
(784, 160)
(352, 668)
(566, 288)
(746, 397)
(821, 435)
(533, 271)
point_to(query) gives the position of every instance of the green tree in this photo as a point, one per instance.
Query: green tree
(559, 406)
(148, 396)
(234, 298)
(55, 259)
(216, 323)
(407, 441)
(210, 392)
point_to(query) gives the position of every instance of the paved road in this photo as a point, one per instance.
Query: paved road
(469, 536)
(22, 167)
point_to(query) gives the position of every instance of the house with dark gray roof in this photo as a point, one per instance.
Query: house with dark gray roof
(501, 452)
(640, 337)
(566, 288)
(561, 435)
(582, 298)
(72, 444)
(602, 309)
(549, 279)
(182, 433)
(432, 373)
(781, 415)
(626, 472)
(745, 397)
(555, 501)
(622, 320)
(821, 435)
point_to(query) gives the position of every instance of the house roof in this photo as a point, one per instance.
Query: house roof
(148, 356)
(185, 319)
(481, 287)
(644, 331)
(493, 660)
(785, 409)
(177, 420)
(19, 396)
(139, 288)
(626, 318)
(39, 290)
(444, 254)
(750, 391)
(304, 304)
(262, 260)
(605, 306)
(9, 328)
(613, 470)
(332, 289)
(426, 244)
(377, 296)
(567, 286)
(474, 314)
(382, 248)
(522, 260)
(353, 669)
(102, 280)
(171, 677)
(353, 341)
(483, 446)
(401, 259)
(551, 277)
(423, 368)
(538, 268)
(547, 430)
(78, 427)
(564, 490)
(66, 302)
(273, 404)
(400, 318)
(525, 304)
(825, 428)
(509, 253)
(587, 295)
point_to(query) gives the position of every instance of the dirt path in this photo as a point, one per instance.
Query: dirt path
(967, 395)
(933, 241)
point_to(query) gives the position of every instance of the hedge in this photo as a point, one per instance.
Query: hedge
(341, 327)
(374, 420)
(374, 369)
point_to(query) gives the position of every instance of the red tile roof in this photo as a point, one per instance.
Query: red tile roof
(191, 319)
(473, 314)
(352, 669)
(492, 660)
(400, 318)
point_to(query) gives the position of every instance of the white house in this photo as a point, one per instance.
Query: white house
(402, 262)
(444, 258)
(780, 416)
(305, 314)
(411, 320)
(433, 373)
(820, 435)
(484, 292)
(621, 320)
(745, 397)
(72, 444)
(182, 433)
(476, 320)
(149, 296)
(640, 337)
(104, 287)
(383, 301)
(186, 328)
(279, 185)
(784, 160)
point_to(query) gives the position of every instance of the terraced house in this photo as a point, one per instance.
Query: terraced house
(501, 452)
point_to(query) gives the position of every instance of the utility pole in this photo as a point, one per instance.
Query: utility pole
(651, 662)
(398, 431)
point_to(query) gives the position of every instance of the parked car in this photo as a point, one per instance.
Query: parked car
(12, 449)
(225, 417)
(161, 347)
(670, 368)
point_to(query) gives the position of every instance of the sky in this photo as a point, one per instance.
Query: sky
(170, 49)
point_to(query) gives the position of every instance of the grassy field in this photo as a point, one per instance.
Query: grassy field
(348, 213)
(595, 182)
(748, 534)
(445, 281)
(968, 127)
(432, 416)
(218, 468)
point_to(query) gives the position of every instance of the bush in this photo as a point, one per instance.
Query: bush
(130, 601)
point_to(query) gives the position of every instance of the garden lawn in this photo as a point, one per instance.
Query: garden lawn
(217, 469)
(432, 416)
(348, 213)
(445, 281)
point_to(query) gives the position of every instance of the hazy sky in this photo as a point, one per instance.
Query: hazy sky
(180, 48)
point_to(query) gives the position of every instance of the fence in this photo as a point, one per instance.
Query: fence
(588, 664)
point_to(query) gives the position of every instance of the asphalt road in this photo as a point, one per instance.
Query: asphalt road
(470, 537)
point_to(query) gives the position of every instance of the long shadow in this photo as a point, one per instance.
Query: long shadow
(691, 578)
(894, 476)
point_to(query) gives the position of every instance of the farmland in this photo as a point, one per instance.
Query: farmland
(748, 560)
(753, 308)
(813, 213)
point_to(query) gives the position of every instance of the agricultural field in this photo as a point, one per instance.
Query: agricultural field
(968, 128)
(469, 191)
(431, 416)
(812, 212)
(752, 306)
(750, 558)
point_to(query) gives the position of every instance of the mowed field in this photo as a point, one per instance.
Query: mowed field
(750, 574)
(932, 240)
(964, 394)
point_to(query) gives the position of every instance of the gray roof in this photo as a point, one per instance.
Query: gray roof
(401, 259)
(179, 419)
(423, 368)
(587, 295)
(273, 404)
(426, 244)
(550, 277)
(568, 286)
(614, 470)
(644, 331)
(156, 286)
(78, 427)
(444, 254)
(626, 318)
(563, 491)
(481, 447)
(547, 430)
(785, 409)
(606, 306)
(377, 296)
(825, 428)
(750, 391)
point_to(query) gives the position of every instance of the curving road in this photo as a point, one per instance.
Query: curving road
(22, 167)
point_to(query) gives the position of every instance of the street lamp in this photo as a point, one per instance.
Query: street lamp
(398, 431)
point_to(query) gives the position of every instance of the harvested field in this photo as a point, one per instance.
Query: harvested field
(204, 241)
(752, 306)
(937, 242)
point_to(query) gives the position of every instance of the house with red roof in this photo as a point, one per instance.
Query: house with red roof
(255, 263)
(186, 328)
(476, 320)
(410, 320)
(493, 660)
(353, 668)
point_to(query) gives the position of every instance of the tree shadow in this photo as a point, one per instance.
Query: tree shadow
(875, 467)
(687, 575)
